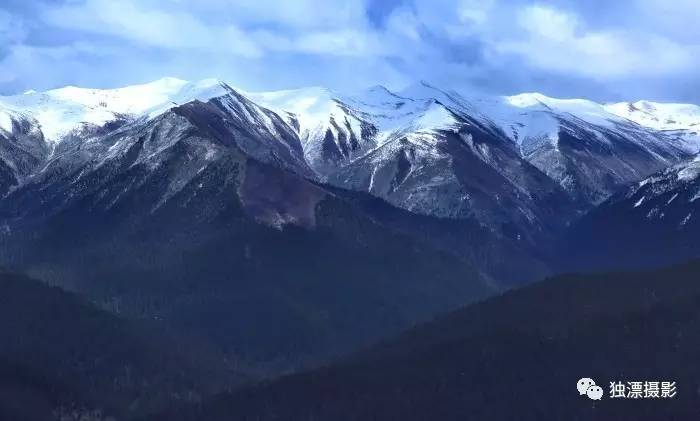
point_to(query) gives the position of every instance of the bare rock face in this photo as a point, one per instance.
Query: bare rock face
(277, 198)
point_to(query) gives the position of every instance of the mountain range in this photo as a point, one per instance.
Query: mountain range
(287, 228)
(518, 168)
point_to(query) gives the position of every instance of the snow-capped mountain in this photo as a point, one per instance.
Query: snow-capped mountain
(205, 215)
(581, 145)
(336, 129)
(420, 154)
(681, 120)
(145, 128)
(61, 111)
(521, 166)
(319, 213)
(589, 151)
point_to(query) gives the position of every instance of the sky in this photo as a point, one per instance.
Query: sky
(598, 49)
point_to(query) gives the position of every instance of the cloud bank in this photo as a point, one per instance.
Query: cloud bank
(629, 49)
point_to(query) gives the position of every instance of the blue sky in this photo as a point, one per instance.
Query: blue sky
(604, 50)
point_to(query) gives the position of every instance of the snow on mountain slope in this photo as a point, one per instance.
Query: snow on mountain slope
(60, 111)
(22, 148)
(530, 119)
(519, 116)
(660, 196)
(392, 113)
(586, 110)
(336, 129)
(329, 131)
(315, 111)
(680, 119)
(588, 150)
(6, 120)
(313, 108)
(678, 183)
(377, 138)
(530, 115)
(525, 117)
(167, 143)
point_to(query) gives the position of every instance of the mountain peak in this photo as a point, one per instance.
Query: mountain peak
(643, 105)
(528, 99)
(59, 111)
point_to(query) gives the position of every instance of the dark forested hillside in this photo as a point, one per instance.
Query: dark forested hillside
(60, 353)
(265, 264)
(513, 357)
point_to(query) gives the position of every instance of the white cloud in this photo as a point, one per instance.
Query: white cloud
(474, 12)
(546, 23)
(557, 41)
(242, 27)
(672, 18)
(341, 42)
(506, 44)
(153, 27)
(346, 42)
(290, 14)
(404, 22)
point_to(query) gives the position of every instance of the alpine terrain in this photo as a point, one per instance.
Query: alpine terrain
(283, 229)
